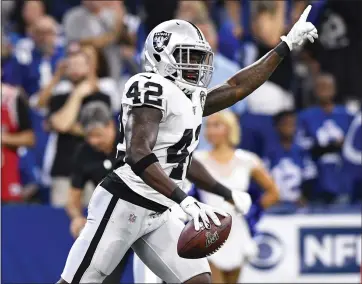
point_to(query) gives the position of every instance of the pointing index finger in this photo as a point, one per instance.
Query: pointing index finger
(305, 13)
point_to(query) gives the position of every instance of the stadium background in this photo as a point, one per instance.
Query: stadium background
(315, 239)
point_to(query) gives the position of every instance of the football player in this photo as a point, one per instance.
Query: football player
(160, 122)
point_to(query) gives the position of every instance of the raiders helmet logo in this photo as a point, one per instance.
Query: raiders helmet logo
(202, 99)
(160, 40)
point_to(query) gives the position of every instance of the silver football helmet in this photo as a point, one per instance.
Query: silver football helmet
(178, 49)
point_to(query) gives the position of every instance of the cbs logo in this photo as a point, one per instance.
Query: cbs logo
(271, 251)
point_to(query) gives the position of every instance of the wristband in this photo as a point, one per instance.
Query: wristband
(282, 49)
(178, 195)
(221, 190)
(139, 167)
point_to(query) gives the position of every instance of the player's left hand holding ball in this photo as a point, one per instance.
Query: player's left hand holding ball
(301, 31)
(199, 210)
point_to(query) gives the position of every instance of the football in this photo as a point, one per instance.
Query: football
(192, 244)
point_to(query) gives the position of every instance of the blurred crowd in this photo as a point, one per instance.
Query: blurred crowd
(59, 56)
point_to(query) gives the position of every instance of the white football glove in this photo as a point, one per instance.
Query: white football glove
(199, 210)
(177, 212)
(242, 201)
(301, 31)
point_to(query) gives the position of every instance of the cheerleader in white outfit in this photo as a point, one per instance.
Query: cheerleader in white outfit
(234, 169)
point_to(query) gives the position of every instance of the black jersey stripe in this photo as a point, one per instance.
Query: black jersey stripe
(198, 31)
(95, 241)
(116, 186)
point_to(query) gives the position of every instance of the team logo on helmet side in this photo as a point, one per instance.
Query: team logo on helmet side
(160, 40)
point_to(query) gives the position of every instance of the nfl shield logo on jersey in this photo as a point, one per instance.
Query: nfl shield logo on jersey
(132, 218)
(160, 40)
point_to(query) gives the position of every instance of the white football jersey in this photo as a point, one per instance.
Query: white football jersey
(178, 133)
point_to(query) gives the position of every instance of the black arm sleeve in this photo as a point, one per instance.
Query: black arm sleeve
(23, 112)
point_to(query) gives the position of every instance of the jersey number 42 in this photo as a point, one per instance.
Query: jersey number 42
(177, 153)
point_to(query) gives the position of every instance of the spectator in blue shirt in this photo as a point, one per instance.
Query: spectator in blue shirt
(290, 166)
(234, 30)
(25, 15)
(352, 154)
(38, 62)
(321, 131)
(257, 132)
(36, 65)
(9, 70)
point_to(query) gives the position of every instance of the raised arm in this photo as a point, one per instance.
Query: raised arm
(245, 81)
(250, 78)
(46, 92)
